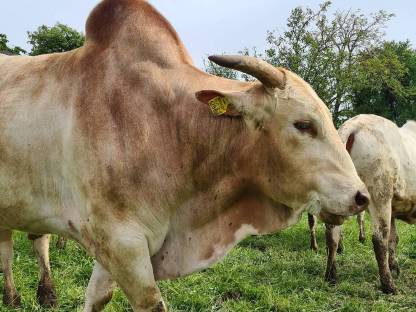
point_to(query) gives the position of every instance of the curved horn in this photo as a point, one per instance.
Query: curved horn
(269, 75)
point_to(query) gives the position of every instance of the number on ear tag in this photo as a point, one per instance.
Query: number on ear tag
(218, 105)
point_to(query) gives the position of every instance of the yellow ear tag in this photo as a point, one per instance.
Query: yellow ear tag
(218, 105)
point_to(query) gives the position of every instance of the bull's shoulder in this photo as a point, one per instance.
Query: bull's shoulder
(117, 23)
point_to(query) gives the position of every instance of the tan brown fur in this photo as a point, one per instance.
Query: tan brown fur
(132, 166)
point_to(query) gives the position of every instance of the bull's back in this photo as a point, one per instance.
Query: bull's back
(35, 127)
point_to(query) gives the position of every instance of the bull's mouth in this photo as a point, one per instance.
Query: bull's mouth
(331, 218)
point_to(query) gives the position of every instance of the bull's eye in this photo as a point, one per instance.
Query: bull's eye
(305, 126)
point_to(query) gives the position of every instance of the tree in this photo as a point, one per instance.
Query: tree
(59, 38)
(4, 48)
(323, 50)
(385, 82)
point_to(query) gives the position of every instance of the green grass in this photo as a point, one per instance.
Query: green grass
(270, 273)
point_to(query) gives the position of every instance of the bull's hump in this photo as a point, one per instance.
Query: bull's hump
(109, 17)
(104, 21)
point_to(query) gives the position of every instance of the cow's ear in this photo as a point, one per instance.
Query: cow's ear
(221, 103)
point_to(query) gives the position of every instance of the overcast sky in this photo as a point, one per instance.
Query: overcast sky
(206, 26)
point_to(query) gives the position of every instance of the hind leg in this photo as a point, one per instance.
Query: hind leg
(360, 221)
(333, 238)
(312, 228)
(61, 242)
(381, 222)
(46, 293)
(11, 297)
(393, 241)
(100, 289)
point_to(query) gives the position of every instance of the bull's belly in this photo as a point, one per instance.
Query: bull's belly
(37, 216)
(51, 211)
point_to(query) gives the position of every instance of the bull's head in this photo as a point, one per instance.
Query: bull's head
(305, 163)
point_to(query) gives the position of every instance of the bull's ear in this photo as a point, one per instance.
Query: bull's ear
(221, 103)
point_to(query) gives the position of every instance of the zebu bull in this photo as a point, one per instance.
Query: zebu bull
(385, 158)
(113, 146)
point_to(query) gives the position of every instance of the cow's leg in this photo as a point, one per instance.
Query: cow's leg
(360, 221)
(381, 219)
(46, 293)
(393, 241)
(127, 259)
(11, 297)
(333, 237)
(100, 289)
(340, 248)
(61, 242)
(312, 228)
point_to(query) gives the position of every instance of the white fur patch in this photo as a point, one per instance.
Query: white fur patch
(221, 250)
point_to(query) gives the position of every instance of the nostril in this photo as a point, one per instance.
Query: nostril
(361, 199)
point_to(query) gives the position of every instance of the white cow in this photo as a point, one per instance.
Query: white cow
(385, 158)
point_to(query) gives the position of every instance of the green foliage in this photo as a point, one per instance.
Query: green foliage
(4, 48)
(323, 49)
(269, 273)
(385, 82)
(59, 38)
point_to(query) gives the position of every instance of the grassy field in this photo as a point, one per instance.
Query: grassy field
(273, 273)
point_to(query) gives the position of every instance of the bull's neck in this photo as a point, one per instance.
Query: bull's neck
(222, 148)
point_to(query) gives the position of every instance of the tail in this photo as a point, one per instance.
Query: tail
(348, 132)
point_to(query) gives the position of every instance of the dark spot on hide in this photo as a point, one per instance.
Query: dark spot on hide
(71, 226)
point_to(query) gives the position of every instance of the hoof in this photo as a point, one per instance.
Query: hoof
(314, 247)
(12, 300)
(160, 307)
(46, 295)
(331, 278)
(389, 289)
(361, 239)
(340, 248)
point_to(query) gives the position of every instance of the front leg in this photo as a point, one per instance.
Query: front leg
(125, 258)
(333, 238)
(361, 225)
(381, 219)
